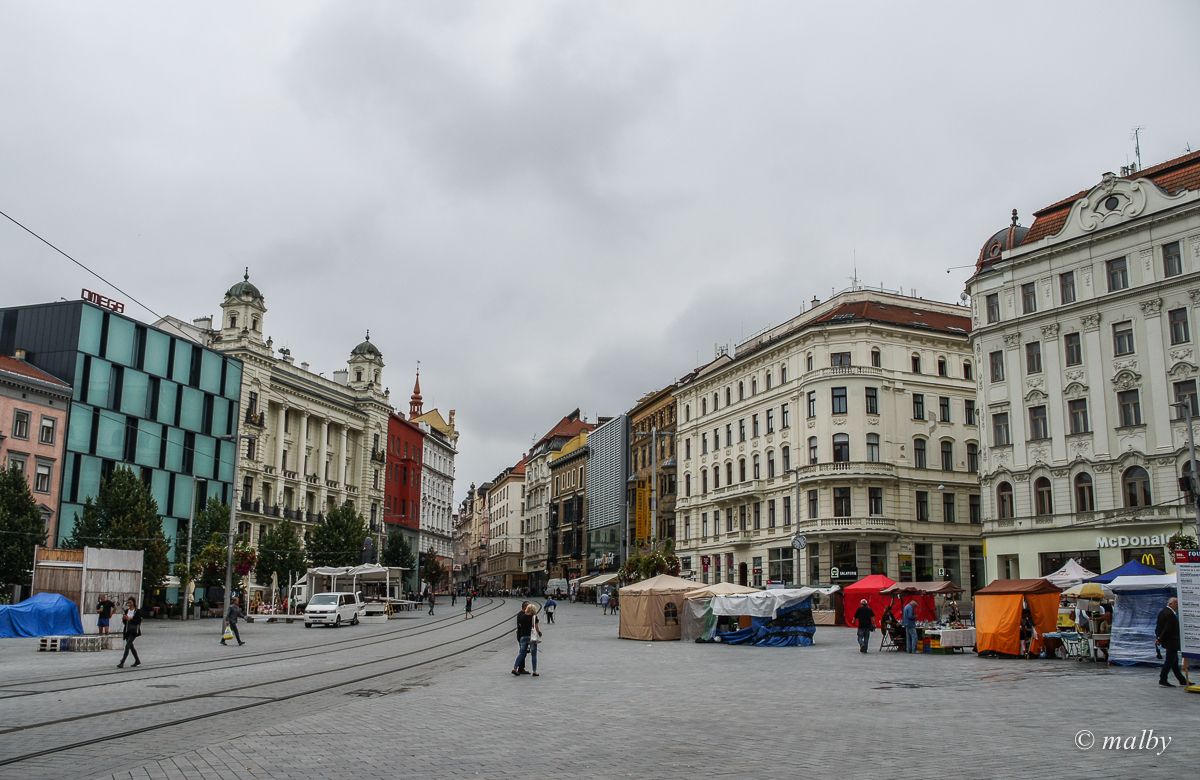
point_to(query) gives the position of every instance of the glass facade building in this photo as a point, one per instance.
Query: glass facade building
(143, 398)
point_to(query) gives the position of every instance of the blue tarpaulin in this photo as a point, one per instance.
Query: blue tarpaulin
(792, 626)
(46, 614)
(1128, 569)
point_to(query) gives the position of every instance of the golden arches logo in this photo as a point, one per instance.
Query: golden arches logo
(1149, 560)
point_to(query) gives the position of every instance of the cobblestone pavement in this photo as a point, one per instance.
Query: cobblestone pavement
(606, 707)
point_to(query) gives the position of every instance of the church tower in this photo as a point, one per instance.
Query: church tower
(366, 366)
(242, 312)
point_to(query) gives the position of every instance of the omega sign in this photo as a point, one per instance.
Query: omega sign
(1131, 541)
(102, 301)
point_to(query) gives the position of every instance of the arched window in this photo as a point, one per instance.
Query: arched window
(787, 458)
(703, 482)
(967, 374)
(687, 484)
(756, 470)
(1004, 500)
(233, 320)
(243, 532)
(716, 477)
(703, 406)
(1043, 498)
(771, 464)
(376, 377)
(754, 385)
(919, 460)
(812, 449)
(729, 472)
(873, 447)
(808, 362)
(741, 391)
(1135, 484)
(972, 457)
(741, 469)
(687, 412)
(841, 447)
(947, 456)
(671, 614)
(916, 363)
(876, 358)
(1085, 500)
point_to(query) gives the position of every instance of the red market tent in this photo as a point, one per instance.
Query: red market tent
(870, 588)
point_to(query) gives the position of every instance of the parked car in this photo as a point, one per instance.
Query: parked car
(332, 609)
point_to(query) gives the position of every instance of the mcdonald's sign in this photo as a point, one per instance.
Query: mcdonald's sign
(1148, 559)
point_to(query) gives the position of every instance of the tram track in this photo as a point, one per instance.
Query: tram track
(247, 703)
(16, 689)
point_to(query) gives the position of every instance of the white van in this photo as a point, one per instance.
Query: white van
(332, 609)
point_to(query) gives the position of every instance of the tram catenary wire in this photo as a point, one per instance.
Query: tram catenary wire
(274, 655)
(245, 704)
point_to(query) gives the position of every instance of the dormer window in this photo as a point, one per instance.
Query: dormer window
(358, 375)
(233, 320)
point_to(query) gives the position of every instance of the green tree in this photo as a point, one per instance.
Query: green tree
(338, 539)
(213, 518)
(398, 552)
(124, 516)
(432, 571)
(21, 528)
(279, 552)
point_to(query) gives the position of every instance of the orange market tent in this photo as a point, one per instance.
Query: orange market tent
(651, 609)
(998, 609)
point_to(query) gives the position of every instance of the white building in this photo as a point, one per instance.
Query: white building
(1083, 331)
(437, 479)
(851, 425)
(506, 518)
(318, 442)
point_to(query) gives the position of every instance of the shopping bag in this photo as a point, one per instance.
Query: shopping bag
(228, 635)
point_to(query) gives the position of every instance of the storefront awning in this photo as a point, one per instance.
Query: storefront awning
(599, 579)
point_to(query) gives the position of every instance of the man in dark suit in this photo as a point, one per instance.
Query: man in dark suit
(1166, 634)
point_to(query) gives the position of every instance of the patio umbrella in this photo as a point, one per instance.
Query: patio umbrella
(1088, 590)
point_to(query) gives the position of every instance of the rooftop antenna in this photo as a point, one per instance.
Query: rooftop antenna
(1137, 145)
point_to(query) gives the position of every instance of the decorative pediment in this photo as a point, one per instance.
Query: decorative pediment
(1183, 369)
(1035, 395)
(1126, 379)
(1114, 201)
(1075, 390)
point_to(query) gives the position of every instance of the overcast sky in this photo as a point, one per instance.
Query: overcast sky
(555, 204)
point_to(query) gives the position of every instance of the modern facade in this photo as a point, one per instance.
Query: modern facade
(33, 431)
(142, 397)
(318, 442)
(567, 520)
(1084, 331)
(506, 517)
(538, 487)
(849, 430)
(653, 467)
(437, 478)
(607, 506)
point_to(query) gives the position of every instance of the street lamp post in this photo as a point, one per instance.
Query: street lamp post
(237, 439)
(1186, 406)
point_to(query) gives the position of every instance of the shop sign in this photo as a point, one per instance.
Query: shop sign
(102, 301)
(843, 574)
(1187, 570)
(1155, 540)
(756, 570)
(705, 561)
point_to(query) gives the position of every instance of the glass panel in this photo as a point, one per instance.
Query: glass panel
(66, 516)
(98, 381)
(174, 449)
(134, 388)
(233, 380)
(191, 414)
(149, 443)
(160, 484)
(110, 443)
(79, 437)
(220, 420)
(166, 402)
(90, 325)
(184, 487)
(228, 459)
(77, 391)
(181, 372)
(89, 478)
(205, 450)
(158, 352)
(120, 341)
(210, 372)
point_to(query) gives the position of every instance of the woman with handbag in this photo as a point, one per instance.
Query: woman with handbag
(527, 628)
(132, 619)
(535, 637)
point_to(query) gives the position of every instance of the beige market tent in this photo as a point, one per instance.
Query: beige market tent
(719, 589)
(651, 609)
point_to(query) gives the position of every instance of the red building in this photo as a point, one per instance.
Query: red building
(402, 478)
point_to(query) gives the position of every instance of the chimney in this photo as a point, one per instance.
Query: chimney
(815, 300)
(451, 418)
(342, 376)
(19, 354)
(203, 323)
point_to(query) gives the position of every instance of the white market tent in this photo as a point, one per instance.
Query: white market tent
(353, 578)
(1140, 598)
(1069, 575)
(703, 605)
(1136, 582)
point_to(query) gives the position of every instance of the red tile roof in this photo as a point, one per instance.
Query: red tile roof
(902, 316)
(568, 427)
(21, 368)
(1173, 176)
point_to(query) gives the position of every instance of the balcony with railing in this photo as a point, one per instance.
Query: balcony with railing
(256, 419)
(379, 456)
(823, 525)
(847, 468)
(751, 488)
(844, 371)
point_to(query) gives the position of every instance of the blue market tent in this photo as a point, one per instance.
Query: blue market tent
(1139, 600)
(1127, 569)
(46, 614)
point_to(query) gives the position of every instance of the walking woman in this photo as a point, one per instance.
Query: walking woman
(132, 618)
